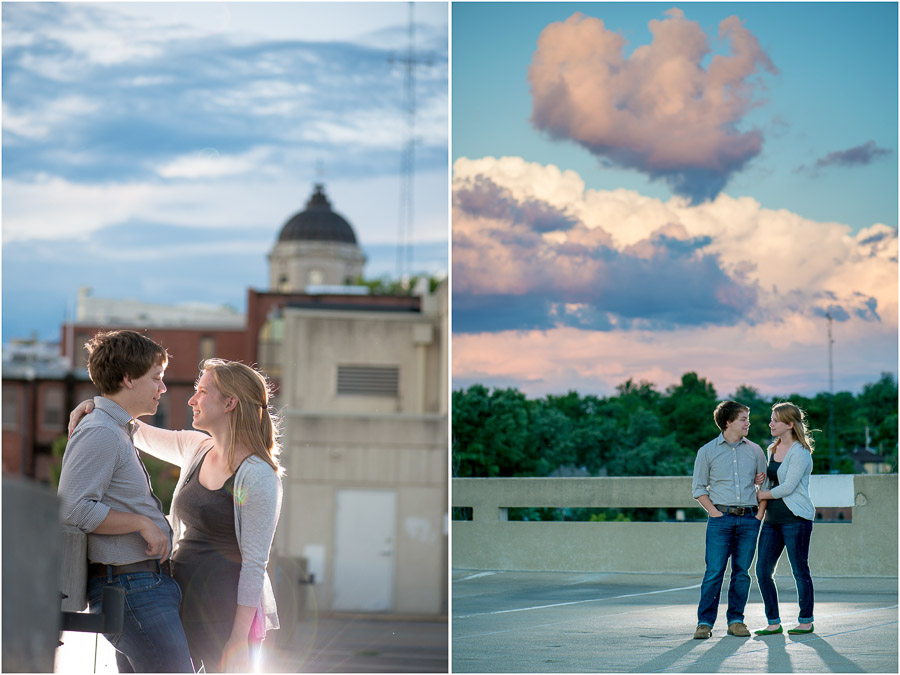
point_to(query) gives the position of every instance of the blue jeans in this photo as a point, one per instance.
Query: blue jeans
(772, 541)
(728, 536)
(152, 639)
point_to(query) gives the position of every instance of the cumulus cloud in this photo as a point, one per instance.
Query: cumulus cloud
(661, 110)
(616, 261)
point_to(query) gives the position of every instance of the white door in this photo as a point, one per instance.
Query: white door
(364, 545)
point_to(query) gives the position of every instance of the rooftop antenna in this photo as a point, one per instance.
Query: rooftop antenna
(405, 226)
(831, 439)
(320, 171)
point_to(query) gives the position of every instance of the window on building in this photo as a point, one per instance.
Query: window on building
(368, 381)
(10, 407)
(81, 354)
(207, 347)
(271, 338)
(315, 277)
(53, 409)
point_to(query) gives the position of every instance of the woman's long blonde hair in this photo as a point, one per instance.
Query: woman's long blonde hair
(254, 423)
(788, 413)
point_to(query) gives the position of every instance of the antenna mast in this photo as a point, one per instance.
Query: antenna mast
(404, 235)
(831, 439)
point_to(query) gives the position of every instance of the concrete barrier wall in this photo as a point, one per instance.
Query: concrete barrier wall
(867, 546)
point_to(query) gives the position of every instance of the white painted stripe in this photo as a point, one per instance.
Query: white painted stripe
(522, 629)
(475, 576)
(576, 602)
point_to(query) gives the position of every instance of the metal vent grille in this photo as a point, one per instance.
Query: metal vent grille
(368, 381)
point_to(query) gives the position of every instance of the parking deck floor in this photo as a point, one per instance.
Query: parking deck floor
(534, 622)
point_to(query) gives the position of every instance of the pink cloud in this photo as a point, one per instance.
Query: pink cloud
(660, 111)
(633, 287)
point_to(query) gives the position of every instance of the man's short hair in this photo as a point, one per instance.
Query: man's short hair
(119, 353)
(728, 411)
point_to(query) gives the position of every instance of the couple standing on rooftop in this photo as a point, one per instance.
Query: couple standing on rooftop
(727, 472)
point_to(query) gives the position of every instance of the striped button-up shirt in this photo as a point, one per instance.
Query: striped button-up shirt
(101, 470)
(726, 474)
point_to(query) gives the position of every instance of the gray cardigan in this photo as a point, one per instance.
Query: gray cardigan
(793, 481)
(257, 505)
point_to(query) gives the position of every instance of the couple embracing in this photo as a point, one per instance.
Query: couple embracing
(209, 605)
(779, 514)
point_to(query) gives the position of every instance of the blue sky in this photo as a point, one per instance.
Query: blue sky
(642, 189)
(154, 150)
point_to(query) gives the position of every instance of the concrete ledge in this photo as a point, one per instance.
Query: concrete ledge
(867, 546)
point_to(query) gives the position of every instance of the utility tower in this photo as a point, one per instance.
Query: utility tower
(405, 226)
(831, 439)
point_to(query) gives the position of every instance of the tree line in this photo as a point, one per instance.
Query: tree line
(641, 431)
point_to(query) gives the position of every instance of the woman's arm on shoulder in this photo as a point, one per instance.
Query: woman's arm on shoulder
(169, 446)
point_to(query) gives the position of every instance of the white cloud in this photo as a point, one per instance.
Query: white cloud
(210, 164)
(369, 129)
(41, 122)
(51, 208)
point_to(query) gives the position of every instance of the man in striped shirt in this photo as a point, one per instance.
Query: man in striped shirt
(726, 473)
(105, 491)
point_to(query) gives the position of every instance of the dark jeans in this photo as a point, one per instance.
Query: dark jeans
(152, 639)
(734, 537)
(772, 541)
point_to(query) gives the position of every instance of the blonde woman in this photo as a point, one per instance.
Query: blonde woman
(789, 515)
(224, 512)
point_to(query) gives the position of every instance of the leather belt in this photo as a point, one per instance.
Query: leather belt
(99, 570)
(737, 510)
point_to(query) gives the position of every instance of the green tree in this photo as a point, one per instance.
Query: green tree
(878, 411)
(492, 437)
(760, 413)
(688, 411)
(640, 431)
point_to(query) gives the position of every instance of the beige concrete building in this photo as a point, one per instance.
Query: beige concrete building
(364, 397)
(365, 420)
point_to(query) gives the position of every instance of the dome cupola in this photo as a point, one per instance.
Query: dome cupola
(316, 247)
(318, 222)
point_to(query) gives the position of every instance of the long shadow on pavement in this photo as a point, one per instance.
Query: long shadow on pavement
(837, 661)
(666, 659)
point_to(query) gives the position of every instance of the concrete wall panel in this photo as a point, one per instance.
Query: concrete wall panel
(867, 546)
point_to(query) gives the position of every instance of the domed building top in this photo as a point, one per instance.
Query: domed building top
(318, 223)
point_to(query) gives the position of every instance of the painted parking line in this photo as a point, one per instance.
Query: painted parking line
(521, 629)
(576, 602)
(474, 576)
